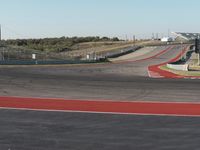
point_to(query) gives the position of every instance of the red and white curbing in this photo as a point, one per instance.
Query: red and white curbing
(102, 106)
(154, 71)
(153, 74)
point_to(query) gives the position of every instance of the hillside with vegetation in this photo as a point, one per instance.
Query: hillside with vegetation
(56, 44)
(66, 47)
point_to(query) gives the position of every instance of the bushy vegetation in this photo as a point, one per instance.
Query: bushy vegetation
(55, 44)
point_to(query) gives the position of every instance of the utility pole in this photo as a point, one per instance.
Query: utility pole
(153, 36)
(2, 54)
(182, 50)
(134, 40)
(0, 33)
(198, 55)
(156, 36)
(198, 51)
(126, 38)
(168, 32)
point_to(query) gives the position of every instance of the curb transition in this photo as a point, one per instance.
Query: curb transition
(155, 71)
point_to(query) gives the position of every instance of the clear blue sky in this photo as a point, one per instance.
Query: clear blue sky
(55, 18)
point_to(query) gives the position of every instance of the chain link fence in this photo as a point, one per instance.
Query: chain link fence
(18, 56)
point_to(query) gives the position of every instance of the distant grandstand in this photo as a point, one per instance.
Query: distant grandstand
(186, 36)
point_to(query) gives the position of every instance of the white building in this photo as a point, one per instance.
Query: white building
(167, 39)
(186, 36)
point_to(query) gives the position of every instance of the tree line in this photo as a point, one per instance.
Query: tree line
(55, 44)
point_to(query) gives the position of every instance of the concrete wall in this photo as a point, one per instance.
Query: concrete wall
(178, 67)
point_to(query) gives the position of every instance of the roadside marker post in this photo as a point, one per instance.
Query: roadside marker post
(197, 49)
(34, 58)
(198, 59)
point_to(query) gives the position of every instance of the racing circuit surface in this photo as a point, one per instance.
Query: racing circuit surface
(119, 81)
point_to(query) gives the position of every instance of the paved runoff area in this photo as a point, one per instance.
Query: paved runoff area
(125, 81)
(34, 130)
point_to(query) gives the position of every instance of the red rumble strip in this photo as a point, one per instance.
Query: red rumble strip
(156, 72)
(115, 107)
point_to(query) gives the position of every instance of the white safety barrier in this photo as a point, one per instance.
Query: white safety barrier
(178, 67)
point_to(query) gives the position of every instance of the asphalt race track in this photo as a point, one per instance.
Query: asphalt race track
(125, 81)
(30, 130)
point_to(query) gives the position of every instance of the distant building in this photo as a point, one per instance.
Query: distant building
(166, 39)
(180, 36)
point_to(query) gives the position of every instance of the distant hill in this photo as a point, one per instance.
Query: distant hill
(56, 44)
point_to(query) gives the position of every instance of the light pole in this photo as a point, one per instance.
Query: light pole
(133, 40)
(198, 51)
(181, 50)
(3, 57)
(0, 33)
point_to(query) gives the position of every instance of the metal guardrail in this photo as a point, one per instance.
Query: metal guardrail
(7, 59)
(122, 52)
(53, 62)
